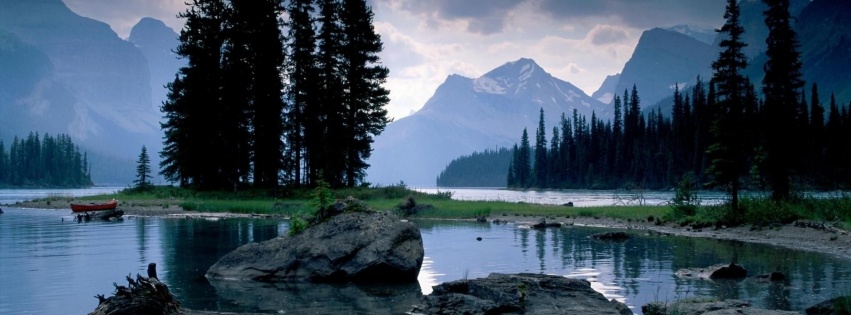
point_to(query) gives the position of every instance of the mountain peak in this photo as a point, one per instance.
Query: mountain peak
(511, 77)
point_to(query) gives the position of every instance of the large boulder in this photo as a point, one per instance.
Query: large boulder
(518, 294)
(351, 247)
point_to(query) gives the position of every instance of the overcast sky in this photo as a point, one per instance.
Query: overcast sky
(579, 41)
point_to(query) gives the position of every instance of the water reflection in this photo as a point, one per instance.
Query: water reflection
(57, 266)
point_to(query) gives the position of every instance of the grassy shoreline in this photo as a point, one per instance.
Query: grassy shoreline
(438, 206)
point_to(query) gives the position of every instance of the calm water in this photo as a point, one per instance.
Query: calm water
(580, 198)
(50, 264)
(11, 196)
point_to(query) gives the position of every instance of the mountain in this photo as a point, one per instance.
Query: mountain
(466, 115)
(606, 92)
(157, 43)
(704, 34)
(662, 59)
(87, 82)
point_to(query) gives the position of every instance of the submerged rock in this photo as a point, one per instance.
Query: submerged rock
(611, 236)
(703, 307)
(731, 271)
(350, 247)
(543, 224)
(518, 294)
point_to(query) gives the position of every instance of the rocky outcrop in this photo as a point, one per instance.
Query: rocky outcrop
(350, 247)
(519, 293)
(703, 307)
(838, 305)
(543, 224)
(731, 271)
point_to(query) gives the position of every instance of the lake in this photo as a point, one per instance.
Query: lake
(11, 196)
(50, 264)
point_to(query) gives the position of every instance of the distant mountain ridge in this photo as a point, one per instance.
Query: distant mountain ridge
(75, 76)
(466, 115)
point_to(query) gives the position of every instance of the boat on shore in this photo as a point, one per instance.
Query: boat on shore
(92, 207)
(105, 210)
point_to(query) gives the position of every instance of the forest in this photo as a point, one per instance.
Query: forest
(46, 161)
(480, 169)
(723, 134)
(264, 102)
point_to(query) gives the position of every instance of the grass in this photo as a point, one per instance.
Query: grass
(292, 202)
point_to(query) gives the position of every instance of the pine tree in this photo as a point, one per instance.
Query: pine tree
(302, 93)
(523, 166)
(364, 115)
(540, 166)
(143, 170)
(194, 99)
(781, 87)
(730, 150)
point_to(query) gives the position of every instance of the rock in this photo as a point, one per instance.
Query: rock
(773, 276)
(731, 271)
(482, 220)
(569, 204)
(350, 247)
(543, 224)
(320, 298)
(611, 236)
(518, 293)
(829, 307)
(703, 307)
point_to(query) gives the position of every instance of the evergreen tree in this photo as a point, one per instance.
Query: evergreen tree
(324, 135)
(364, 115)
(730, 149)
(143, 169)
(540, 166)
(781, 87)
(194, 99)
(302, 93)
(523, 166)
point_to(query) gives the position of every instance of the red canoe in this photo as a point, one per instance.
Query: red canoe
(109, 205)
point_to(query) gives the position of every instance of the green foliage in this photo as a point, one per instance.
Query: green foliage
(297, 225)
(686, 200)
(321, 195)
(480, 169)
(143, 170)
(43, 162)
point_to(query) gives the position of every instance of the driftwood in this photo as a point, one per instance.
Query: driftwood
(143, 295)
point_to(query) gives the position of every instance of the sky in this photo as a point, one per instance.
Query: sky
(579, 41)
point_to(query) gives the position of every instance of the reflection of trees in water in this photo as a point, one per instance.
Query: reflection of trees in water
(644, 266)
(191, 246)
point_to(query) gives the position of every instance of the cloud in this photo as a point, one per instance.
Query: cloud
(607, 34)
(484, 17)
(640, 14)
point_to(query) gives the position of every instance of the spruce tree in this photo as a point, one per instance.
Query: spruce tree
(143, 170)
(523, 166)
(364, 97)
(194, 99)
(302, 90)
(730, 149)
(540, 166)
(781, 87)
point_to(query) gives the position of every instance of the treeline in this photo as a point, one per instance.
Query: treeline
(652, 151)
(480, 169)
(265, 102)
(724, 134)
(43, 162)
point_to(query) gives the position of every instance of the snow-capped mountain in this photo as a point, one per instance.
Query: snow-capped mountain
(701, 33)
(466, 115)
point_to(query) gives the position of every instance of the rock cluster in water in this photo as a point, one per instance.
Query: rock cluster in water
(518, 294)
(349, 247)
(703, 307)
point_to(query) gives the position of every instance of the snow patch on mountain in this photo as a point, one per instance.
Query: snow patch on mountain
(488, 85)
